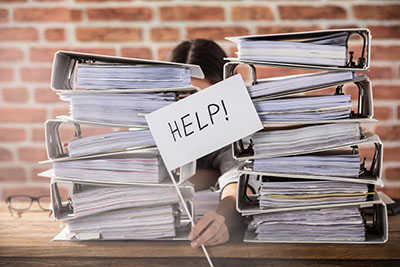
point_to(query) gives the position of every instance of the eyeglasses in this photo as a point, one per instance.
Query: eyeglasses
(21, 203)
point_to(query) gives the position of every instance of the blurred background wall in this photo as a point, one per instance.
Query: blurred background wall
(31, 31)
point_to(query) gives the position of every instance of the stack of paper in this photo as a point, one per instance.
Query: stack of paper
(308, 108)
(270, 143)
(335, 224)
(124, 76)
(308, 193)
(109, 142)
(131, 223)
(331, 51)
(346, 165)
(294, 83)
(100, 199)
(116, 170)
(128, 109)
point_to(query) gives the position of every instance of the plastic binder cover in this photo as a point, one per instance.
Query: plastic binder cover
(248, 204)
(378, 223)
(242, 151)
(62, 208)
(65, 62)
(365, 57)
(371, 175)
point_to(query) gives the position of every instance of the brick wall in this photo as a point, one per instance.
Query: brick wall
(32, 30)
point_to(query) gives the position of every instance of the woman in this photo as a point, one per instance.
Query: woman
(219, 166)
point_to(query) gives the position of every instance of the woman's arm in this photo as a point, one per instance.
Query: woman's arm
(215, 226)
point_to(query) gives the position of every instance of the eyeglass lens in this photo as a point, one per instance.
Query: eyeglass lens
(20, 202)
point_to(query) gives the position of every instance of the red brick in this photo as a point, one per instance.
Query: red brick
(57, 14)
(164, 52)
(36, 170)
(18, 34)
(285, 29)
(12, 174)
(381, 72)
(251, 13)
(398, 112)
(345, 26)
(76, 15)
(16, 94)
(95, 1)
(383, 113)
(13, 1)
(165, 34)
(196, 13)
(108, 34)
(378, 12)
(32, 154)
(22, 115)
(11, 54)
(386, 92)
(215, 33)
(46, 95)
(35, 74)
(120, 13)
(388, 133)
(60, 111)
(390, 52)
(4, 15)
(385, 32)
(37, 134)
(392, 173)
(43, 54)
(391, 153)
(312, 12)
(5, 155)
(136, 52)
(8, 134)
(55, 34)
(393, 192)
(6, 74)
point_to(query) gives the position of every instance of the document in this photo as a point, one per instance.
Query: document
(307, 193)
(100, 199)
(130, 223)
(294, 83)
(298, 140)
(333, 224)
(330, 51)
(307, 108)
(116, 170)
(110, 142)
(125, 76)
(346, 165)
(127, 109)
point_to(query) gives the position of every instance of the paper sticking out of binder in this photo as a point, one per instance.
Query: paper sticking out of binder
(292, 108)
(118, 213)
(122, 157)
(73, 70)
(366, 224)
(326, 49)
(249, 204)
(90, 198)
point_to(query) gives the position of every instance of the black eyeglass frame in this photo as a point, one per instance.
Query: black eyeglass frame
(33, 199)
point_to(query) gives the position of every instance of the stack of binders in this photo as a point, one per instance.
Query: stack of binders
(121, 189)
(310, 182)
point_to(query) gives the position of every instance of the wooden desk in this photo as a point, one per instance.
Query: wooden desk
(27, 240)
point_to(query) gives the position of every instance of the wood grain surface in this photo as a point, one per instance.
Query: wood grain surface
(28, 241)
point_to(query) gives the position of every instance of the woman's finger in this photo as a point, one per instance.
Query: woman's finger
(208, 233)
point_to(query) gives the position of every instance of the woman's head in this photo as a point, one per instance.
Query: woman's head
(205, 53)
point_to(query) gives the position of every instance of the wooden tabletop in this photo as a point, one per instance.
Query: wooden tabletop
(28, 240)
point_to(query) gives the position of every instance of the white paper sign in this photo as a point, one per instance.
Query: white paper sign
(203, 122)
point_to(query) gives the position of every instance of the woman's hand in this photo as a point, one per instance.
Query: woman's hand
(210, 230)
